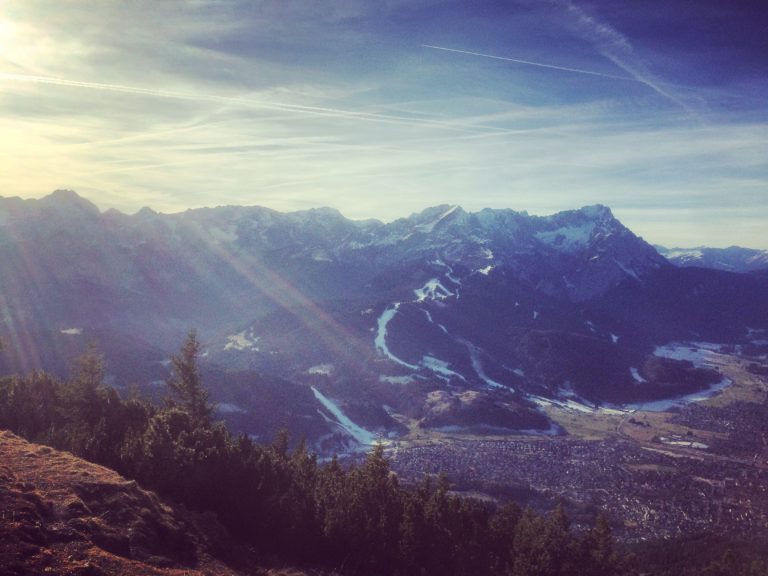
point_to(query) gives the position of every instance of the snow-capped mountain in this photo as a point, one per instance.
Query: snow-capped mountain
(357, 328)
(732, 259)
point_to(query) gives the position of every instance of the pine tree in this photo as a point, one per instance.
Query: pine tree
(187, 385)
(85, 402)
(85, 387)
(602, 558)
(502, 532)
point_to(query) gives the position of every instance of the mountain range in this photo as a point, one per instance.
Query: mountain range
(345, 331)
(732, 259)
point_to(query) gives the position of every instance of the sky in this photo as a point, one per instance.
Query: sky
(381, 108)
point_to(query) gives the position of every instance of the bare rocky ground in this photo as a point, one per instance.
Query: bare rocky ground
(64, 516)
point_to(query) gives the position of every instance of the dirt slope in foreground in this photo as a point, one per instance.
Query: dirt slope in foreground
(62, 515)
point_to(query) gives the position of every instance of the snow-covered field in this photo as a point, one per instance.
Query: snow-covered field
(701, 354)
(575, 406)
(664, 405)
(683, 443)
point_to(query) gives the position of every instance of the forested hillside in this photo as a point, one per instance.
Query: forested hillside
(287, 507)
(355, 519)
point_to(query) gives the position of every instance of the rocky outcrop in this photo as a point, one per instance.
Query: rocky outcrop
(62, 515)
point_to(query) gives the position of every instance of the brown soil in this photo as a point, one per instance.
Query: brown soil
(64, 516)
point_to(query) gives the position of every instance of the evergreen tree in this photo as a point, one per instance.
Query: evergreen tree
(85, 388)
(87, 401)
(186, 383)
(600, 554)
(501, 541)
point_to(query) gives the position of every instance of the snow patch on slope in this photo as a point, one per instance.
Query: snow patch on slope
(245, 340)
(693, 254)
(636, 376)
(568, 238)
(431, 321)
(321, 369)
(427, 228)
(396, 379)
(321, 256)
(432, 290)
(626, 270)
(361, 435)
(439, 367)
(449, 273)
(227, 408)
(381, 336)
(477, 366)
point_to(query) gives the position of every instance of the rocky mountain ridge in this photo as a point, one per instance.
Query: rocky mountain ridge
(441, 319)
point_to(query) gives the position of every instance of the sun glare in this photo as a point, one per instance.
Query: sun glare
(28, 49)
(6, 37)
(11, 45)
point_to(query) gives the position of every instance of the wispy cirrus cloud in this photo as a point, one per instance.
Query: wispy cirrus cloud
(618, 49)
(289, 104)
(240, 101)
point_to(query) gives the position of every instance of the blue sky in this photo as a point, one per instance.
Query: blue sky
(657, 109)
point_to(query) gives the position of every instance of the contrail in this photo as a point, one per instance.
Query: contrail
(529, 63)
(617, 48)
(302, 109)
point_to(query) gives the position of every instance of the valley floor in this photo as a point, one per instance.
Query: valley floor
(699, 468)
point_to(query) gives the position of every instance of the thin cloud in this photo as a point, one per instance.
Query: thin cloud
(618, 49)
(529, 63)
(312, 110)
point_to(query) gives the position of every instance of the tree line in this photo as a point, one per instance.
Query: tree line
(357, 519)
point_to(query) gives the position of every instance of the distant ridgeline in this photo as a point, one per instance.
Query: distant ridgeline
(342, 330)
(732, 259)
